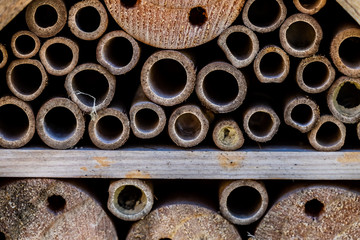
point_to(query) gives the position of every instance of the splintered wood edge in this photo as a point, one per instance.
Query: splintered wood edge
(352, 7)
(9, 9)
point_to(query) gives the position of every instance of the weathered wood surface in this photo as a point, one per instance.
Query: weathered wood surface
(167, 163)
(352, 7)
(9, 9)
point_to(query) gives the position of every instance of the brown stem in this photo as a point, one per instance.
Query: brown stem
(25, 44)
(227, 135)
(309, 6)
(3, 56)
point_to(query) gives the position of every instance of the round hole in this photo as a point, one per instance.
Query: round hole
(188, 126)
(59, 56)
(197, 16)
(14, 122)
(60, 123)
(349, 52)
(300, 35)
(129, 197)
(272, 65)
(349, 95)
(2, 236)
(24, 44)
(128, 3)
(314, 208)
(46, 16)
(26, 78)
(264, 13)
(240, 45)
(260, 124)
(315, 74)
(118, 51)
(88, 19)
(309, 4)
(56, 203)
(167, 78)
(220, 87)
(302, 114)
(109, 128)
(328, 134)
(146, 120)
(243, 202)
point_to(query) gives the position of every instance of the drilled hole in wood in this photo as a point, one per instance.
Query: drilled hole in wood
(240, 45)
(314, 208)
(264, 13)
(14, 122)
(328, 134)
(88, 19)
(146, 120)
(59, 56)
(46, 16)
(315, 74)
(260, 124)
(188, 126)
(56, 203)
(272, 65)
(24, 44)
(348, 96)
(129, 197)
(26, 78)
(118, 51)
(109, 128)
(128, 3)
(244, 202)
(60, 123)
(198, 16)
(302, 114)
(300, 35)
(349, 52)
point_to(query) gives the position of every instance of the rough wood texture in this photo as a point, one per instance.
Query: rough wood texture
(9, 9)
(352, 7)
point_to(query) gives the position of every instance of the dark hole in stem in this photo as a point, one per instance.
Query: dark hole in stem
(315, 74)
(302, 114)
(109, 128)
(328, 134)
(26, 78)
(146, 120)
(118, 52)
(260, 124)
(188, 126)
(59, 56)
(272, 65)
(198, 16)
(128, 3)
(2, 236)
(300, 35)
(46, 16)
(309, 4)
(165, 239)
(88, 19)
(243, 202)
(129, 197)
(56, 203)
(24, 44)
(240, 45)
(264, 13)
(1, 56)
(314, 208)
(14, 122)
(60, 123)
(349, 52)
(349, 95)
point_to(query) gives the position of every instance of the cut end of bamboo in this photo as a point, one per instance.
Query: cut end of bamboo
(328, 134)
(25, 44)
(17, 123)
(264, 16)
(239, 44)
(26, 78)
(315, 74)
(118, 52)
(309, 7)
(272, 65)
(130, 199)
(168, 77)
(60, 123)
(3, 56)
(46, 18)
(243, 202)
(221, 87)
(300, 35)
(91, 87)
(227, 135)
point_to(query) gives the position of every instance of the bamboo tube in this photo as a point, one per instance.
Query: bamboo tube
(272, 65)
(60, 123)
(46, 18)
(26, 78)
(17, 122)
(345, 50)
(147, 119)
(358, 130)
(261, 123)
(59, 55)
(314, 212)
(221, 87)
(227, 135)
(300, 35)
(243, 201)
(91, 87)
(51, 209)
(315, 74)
(309, 7)
(188, 126)
(109, 128)
(25, 44)
(3, 56)
(343, 99)
(88, 19)
(174, 24)
(264, 16)
(168, 77)
(118, 52)
(328, 134)
(301, 113)
(186, 221)
(130, 199)
(239, 44)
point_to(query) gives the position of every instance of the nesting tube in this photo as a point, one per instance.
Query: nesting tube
(315, 74)
(88, 20)
(261, 123)
(188, 125)
(26, 78)
(91, 87)
(309, 7)
(168, 77)
(3, 56)
(59, 55)
(328, 134)
(130, 199)
(345, 51)
(227, 135)
(109, 128)
(264, 16)
(221, 87)
(118, 52)
(300, 35)
(17, 122)
(272, 65)
(46, 18)
(301, 113)
(147, 119)
(60, 123)
(343, 99)
(240, 45)
(25, 44)
(243, 202)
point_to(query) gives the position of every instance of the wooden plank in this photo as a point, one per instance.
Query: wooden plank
(352, 7)
(180, 164)
(9, 9)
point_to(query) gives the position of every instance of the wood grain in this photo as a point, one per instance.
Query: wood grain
(352, 7)
(9, 9)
